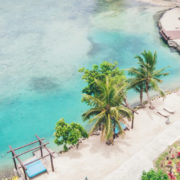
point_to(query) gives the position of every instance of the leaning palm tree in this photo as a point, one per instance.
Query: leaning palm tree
(107, 111)
(146, 74)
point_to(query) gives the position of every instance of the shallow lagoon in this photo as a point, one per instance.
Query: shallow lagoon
(42, 46)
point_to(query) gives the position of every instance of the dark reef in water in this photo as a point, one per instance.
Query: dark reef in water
(43, 84)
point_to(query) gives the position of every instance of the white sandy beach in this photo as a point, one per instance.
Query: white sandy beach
(97, 161)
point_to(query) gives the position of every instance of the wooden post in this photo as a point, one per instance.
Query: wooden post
(38, 147)
(52, 165)
(13, 156)
(26, 145)
(21, 163)
(40, 143)
(14, 160)
(24, 173)
(41, 148)
(132, 124)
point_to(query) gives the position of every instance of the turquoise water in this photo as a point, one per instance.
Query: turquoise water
(44, 43)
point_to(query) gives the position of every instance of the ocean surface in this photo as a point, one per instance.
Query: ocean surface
(44, 43)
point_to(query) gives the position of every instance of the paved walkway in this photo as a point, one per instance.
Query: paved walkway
(143, 160)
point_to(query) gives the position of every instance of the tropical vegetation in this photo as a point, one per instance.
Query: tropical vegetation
(154, 175)
(107, 110)
(68, 134)
(99, 73)
(106, 94)
(146, 76)
(169, 161)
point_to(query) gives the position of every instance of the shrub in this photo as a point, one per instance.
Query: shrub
(68, 134)
(154, 175)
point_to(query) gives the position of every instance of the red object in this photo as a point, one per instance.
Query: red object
(178, 154)
(172, 156)
(178, 169)
(169, 162)
(171, 176)
(178, 164)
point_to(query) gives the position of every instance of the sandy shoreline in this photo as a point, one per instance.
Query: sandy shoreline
(97, 161)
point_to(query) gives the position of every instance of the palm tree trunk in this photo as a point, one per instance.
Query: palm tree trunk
(132, 124)
(133, 111)
(141, 97)
(114, 135)
(148, 98)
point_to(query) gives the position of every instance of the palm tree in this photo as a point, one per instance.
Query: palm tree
(136, 83)
(107, 110)
(146, 75)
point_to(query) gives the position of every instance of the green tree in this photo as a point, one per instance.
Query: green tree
(68, 134)
(154, 175)
(99, 73)
(107, 110)
(146, 75)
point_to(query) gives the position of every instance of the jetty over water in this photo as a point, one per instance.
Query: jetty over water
(37, 164)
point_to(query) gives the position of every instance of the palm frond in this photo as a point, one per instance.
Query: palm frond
(91, 112)
(118, 122)
(161, 92)
(154, 85)
(92, 101)
(97, 117)
(160, 72)
(95, 126)
(140, 61)
(135, 72)
(125, 111)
